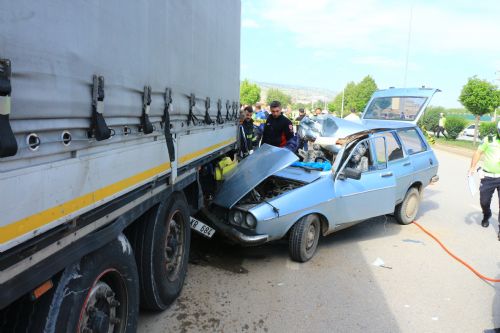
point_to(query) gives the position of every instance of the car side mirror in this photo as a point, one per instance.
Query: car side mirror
(350, 173)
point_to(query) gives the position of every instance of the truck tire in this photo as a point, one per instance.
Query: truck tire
(407, 210)
(97, 294)
(162, 241)
(304, 238)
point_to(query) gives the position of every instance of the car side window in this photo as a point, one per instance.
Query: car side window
(394, 150)
(412, 141)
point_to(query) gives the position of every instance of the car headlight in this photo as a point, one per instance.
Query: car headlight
(236, 217)
(250, 221)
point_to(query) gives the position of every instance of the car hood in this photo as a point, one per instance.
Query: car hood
(264, 162)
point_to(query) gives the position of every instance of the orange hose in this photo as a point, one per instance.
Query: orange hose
(455, 257)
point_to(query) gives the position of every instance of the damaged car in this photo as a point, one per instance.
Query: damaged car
(352, 172)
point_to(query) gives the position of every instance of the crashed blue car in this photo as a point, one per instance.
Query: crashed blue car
(379, 165)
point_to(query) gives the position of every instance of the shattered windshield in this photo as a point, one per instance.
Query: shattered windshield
(395, 108)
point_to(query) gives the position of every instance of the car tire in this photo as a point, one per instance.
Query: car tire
(161, 241)
(407, 210)
(304, 238)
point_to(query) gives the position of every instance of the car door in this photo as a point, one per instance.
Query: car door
(423, 160)
(371, 195)
(399, 163)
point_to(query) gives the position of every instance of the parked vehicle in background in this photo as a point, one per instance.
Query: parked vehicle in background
(108, 112)
(380, 166)
(469, 130)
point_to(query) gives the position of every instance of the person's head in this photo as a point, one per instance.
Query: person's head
(317, 111)
(302, 112)
(248, 112)
(258, 107)
(275, 109)
(353, 110)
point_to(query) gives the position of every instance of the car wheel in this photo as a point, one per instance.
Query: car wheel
(304, 238)
(406, 211)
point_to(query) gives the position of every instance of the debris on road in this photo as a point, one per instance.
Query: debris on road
(413, 241)
(380, 263)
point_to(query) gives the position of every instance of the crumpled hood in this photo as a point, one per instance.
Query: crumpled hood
(264, 162)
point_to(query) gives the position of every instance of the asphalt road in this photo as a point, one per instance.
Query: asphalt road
(232, 289)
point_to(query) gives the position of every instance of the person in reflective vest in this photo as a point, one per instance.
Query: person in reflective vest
(490, 149)
(248, 127)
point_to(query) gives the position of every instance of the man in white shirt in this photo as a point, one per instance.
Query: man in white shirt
(353, 116)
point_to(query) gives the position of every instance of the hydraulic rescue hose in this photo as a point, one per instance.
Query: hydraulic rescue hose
(454, 256)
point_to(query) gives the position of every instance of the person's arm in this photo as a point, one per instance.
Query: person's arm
(288, 130)
(475, 158)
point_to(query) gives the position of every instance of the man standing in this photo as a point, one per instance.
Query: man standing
(278, 128)
(247, 125)
(352, 116)
(491, 167)
(302, 114)
(317, 111)
(441, 123)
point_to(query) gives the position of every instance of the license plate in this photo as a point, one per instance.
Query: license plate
(202, 228)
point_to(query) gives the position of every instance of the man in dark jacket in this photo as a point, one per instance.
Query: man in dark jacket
(278, 128)
(248, 129)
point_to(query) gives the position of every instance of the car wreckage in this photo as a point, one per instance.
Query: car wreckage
(379, 165)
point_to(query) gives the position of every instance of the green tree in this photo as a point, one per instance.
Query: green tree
(249, 93)
(479, 97)
(363, 91)
(278, 95)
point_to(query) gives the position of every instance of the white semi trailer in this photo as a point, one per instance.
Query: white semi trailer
(108, 112)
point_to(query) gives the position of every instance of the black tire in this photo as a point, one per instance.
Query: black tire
(304, 238)
(162, 278)
(99, 292)
(407, 210)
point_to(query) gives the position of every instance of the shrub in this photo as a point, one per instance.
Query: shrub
(454, 125)
(487, 128)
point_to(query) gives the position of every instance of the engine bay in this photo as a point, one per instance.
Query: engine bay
(270, 188)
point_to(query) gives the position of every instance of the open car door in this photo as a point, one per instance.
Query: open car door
(397, 104)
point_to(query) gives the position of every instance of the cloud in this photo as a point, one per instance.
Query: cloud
(249, 23)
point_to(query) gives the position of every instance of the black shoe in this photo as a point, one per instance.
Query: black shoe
(485, 223)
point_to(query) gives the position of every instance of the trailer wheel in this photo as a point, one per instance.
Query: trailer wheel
(97, 294)
(304, 238)
(162, 241)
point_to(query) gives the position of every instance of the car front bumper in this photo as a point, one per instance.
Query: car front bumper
(233, 234)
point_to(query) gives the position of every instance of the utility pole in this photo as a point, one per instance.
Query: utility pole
(342, 108)
(408, 45)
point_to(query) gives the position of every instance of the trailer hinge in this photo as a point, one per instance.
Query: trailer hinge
(207, 120)
(8, 143)
(146, 125)
(228, 106)
(235, 110)
(98, 128)
(191, 116)
(166, 124)
(219, 112)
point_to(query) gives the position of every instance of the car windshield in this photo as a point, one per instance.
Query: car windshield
(395, 108)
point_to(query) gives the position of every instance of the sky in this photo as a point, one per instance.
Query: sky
(328, 43)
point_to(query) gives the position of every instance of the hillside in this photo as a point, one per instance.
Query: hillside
(299, 94)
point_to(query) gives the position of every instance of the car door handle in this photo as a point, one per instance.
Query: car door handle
(387, 174)
(407, 163)
(431, 162)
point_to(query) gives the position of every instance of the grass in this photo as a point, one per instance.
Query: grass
(457, 143)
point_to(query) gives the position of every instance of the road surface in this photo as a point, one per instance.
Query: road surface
(421, 289)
